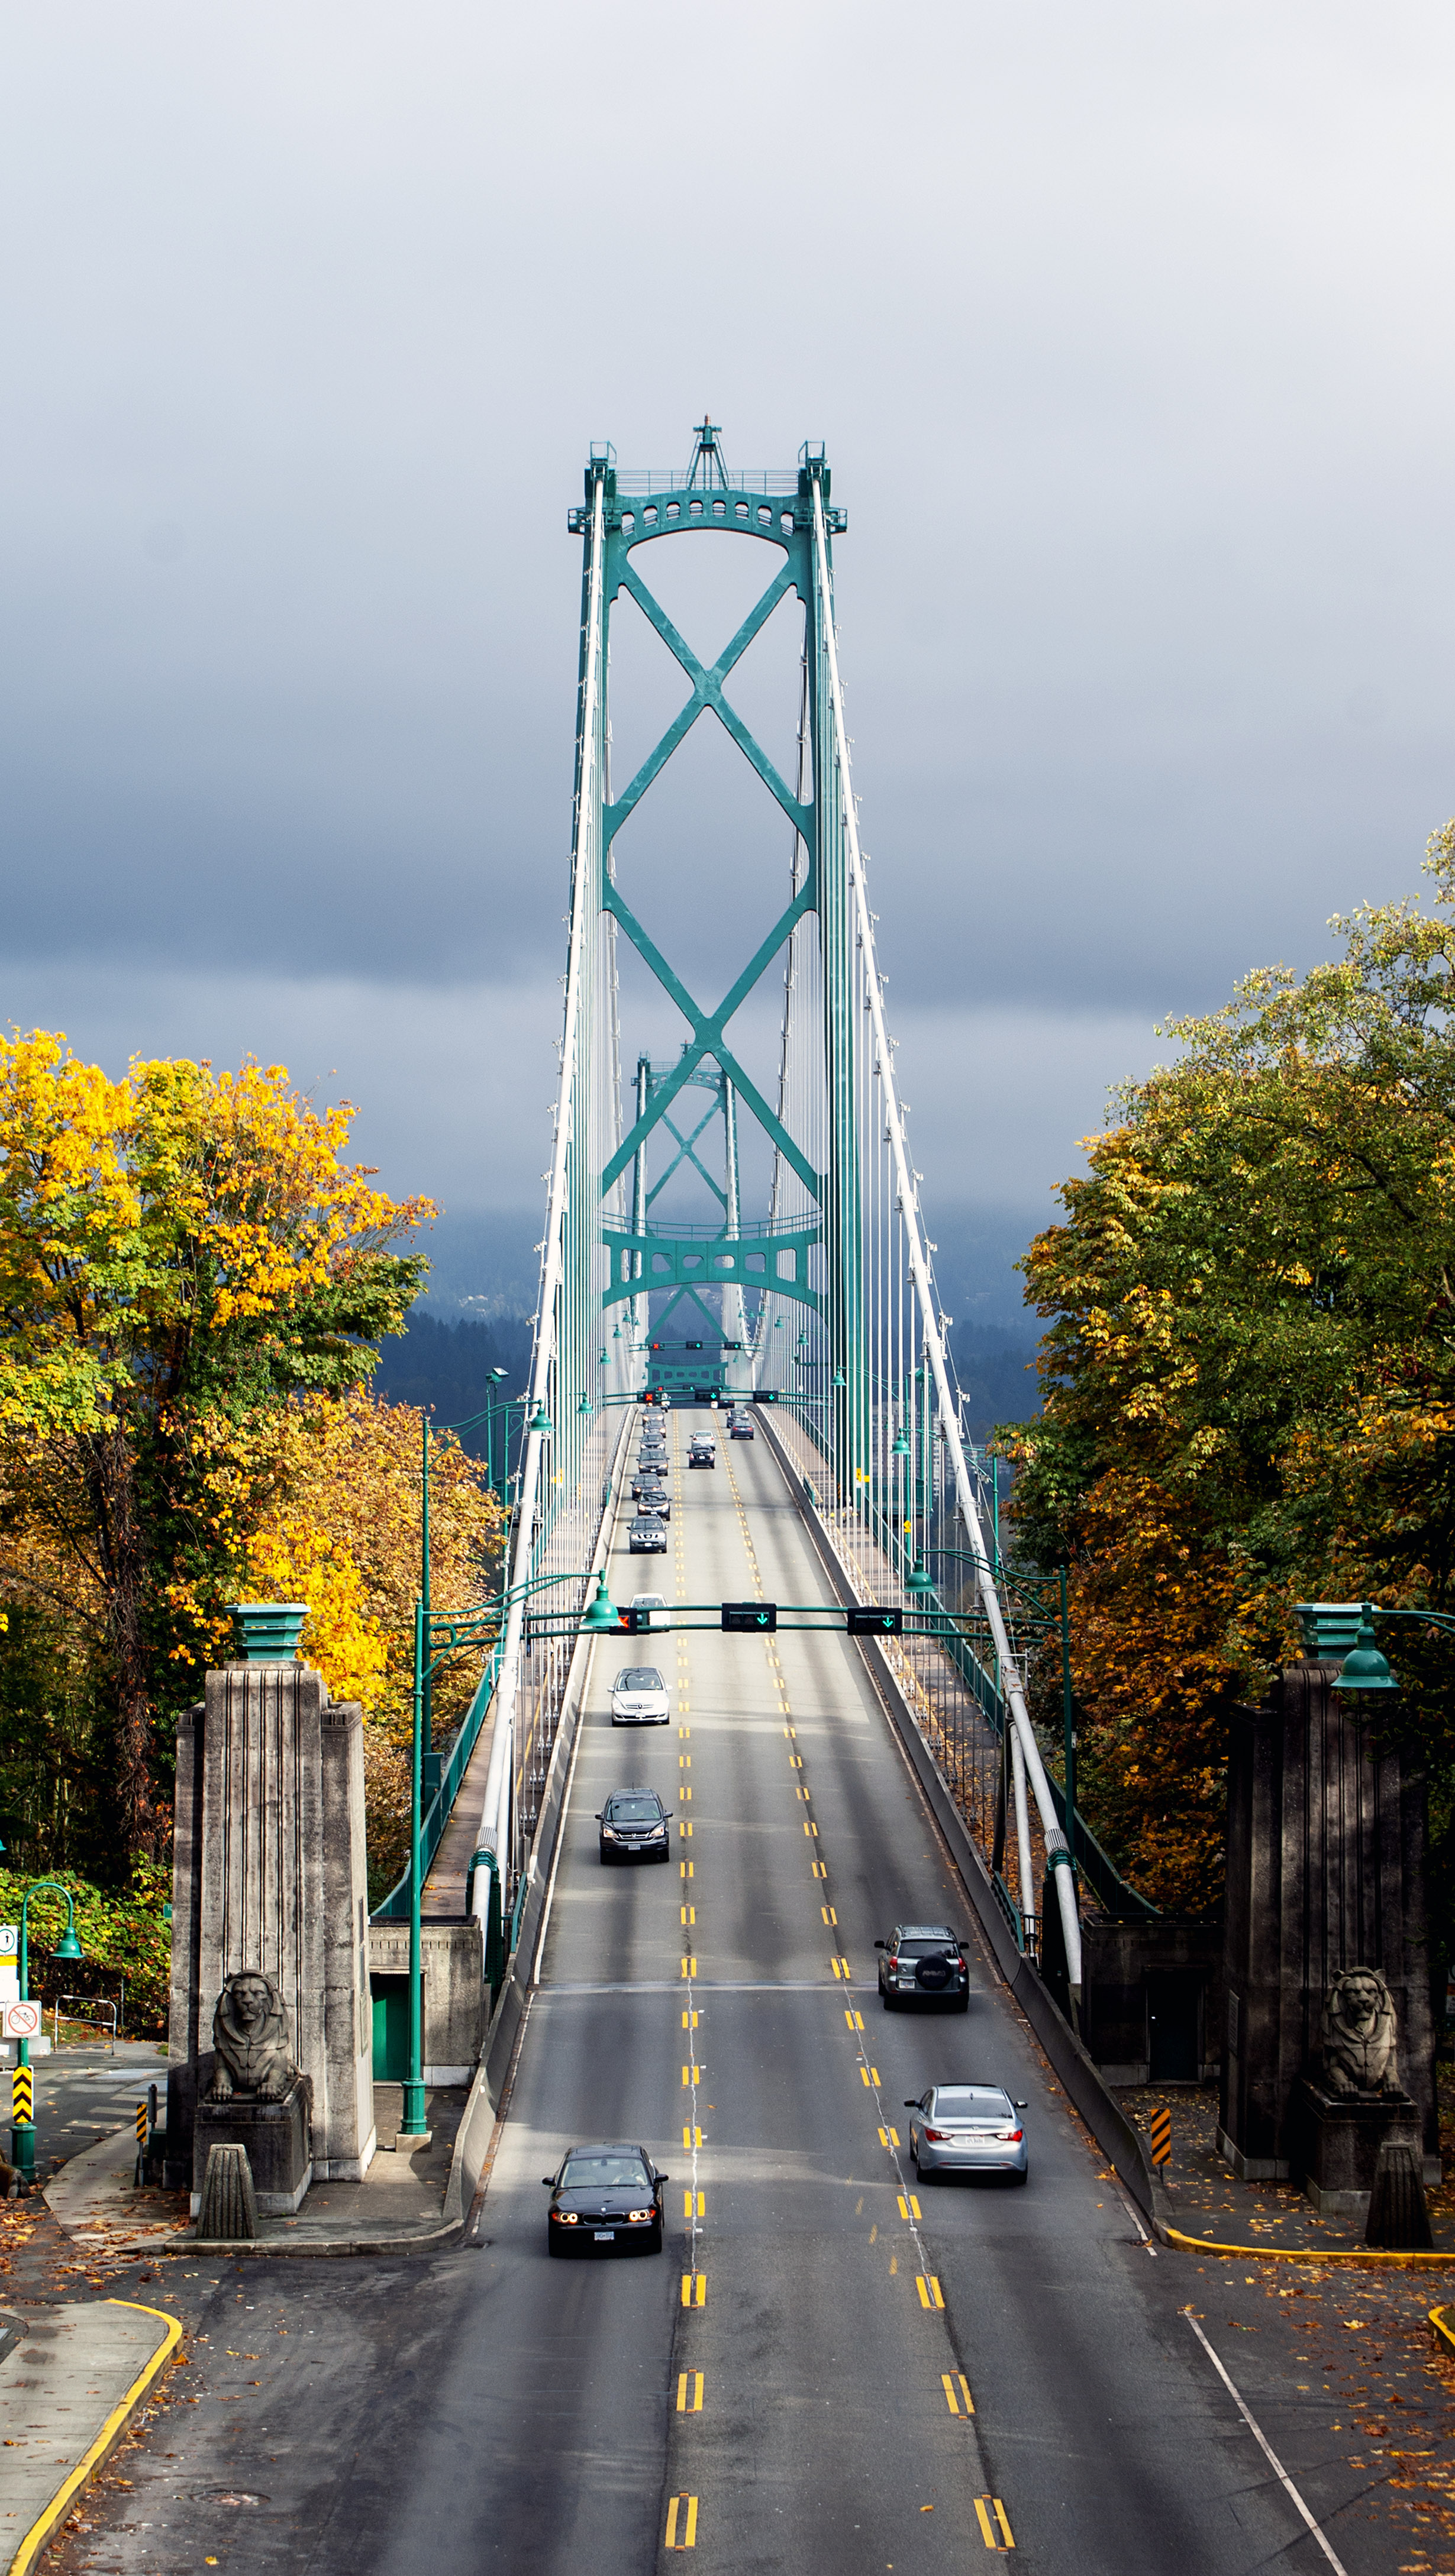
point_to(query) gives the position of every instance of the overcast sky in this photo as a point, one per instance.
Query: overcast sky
(1128, 331)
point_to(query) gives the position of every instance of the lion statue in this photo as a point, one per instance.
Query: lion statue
(250, 2036)
(1359, 2034)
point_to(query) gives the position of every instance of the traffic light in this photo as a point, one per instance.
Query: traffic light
(741, 1618)
(873, 1622)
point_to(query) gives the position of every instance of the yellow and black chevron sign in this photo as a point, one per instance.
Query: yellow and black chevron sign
(22, 2095)
(1161, 2137)
(141, 2124)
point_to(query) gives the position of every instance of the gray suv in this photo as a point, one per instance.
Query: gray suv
(924, 1963)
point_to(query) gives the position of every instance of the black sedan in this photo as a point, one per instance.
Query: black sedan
(605, 2198)
(648, 1480)
(633, 1826)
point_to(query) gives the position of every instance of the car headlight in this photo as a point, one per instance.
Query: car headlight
(565, 2218)
(609, 1834)
(638, 2214)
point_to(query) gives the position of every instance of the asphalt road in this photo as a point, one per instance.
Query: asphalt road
(83, 2094)
(836, 2323)
(784, 2371)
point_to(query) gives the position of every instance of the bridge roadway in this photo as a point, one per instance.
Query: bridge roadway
(540, 2422)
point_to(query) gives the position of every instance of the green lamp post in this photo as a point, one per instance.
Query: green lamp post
(22, 2132)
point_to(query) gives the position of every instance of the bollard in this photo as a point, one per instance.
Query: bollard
(22, 2122)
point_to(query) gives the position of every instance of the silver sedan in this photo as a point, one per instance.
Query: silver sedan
(967, 2128)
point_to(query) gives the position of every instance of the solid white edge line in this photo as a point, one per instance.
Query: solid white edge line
(1266, 2447)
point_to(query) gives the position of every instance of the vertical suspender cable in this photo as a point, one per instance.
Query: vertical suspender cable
(496, 1820)
(1058, 1858)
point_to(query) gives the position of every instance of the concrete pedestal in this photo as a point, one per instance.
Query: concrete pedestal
(1340, 2137)
(1326, 1871)
(279, 2142)
(269, 1873)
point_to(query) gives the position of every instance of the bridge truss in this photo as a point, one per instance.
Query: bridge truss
(823, 1303)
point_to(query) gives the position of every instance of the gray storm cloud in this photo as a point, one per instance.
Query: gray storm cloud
(1123, 329)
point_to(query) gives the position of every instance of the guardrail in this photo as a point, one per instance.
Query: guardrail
(93, 2019)
(395, 1907)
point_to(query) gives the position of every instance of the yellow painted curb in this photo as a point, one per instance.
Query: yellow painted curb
(1445, 2333)
(1306, 2253)
(114, 2425)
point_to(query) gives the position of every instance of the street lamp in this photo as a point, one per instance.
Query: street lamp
(22, 2132)
(600, 1616)
(1326, 1626)
(1365, 1668)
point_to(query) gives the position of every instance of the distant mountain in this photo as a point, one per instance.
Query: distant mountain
(996, 1368)
(448, 1365)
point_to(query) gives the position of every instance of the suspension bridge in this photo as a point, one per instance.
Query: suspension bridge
(819, 1308)
(829, 2372)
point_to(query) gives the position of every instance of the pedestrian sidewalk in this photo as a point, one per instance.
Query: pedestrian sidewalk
(403, 2203)
(1208, 2202)
(71, 2378)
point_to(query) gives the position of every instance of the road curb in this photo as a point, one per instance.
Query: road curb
(1444, 2333)
(106, 2440)
(1308, 2254)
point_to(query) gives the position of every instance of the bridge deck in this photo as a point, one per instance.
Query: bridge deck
(556, 2411)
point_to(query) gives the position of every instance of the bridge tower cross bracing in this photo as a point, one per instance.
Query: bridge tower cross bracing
(846, 1328)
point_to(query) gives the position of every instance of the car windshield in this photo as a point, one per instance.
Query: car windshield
(634, 1811)
(640, 1677)
(604, 2173)
(964, 2101)
(928, 1948)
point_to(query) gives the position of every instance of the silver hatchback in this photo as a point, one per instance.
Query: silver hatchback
(967, 2128)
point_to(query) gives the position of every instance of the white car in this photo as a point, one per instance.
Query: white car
(639, 1697)
(655, 1608)
(967, 2128)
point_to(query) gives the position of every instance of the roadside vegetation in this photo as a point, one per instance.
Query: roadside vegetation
(193, 1284)
(1248, 1375)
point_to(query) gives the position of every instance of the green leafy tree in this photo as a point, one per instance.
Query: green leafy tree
(1249, 1367)
(178, 1247)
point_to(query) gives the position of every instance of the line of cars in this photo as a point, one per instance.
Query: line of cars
(608, 2196)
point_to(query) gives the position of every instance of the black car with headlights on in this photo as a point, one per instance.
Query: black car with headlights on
(634, 1825)
(924, 1963)
(605, 2199)
(647, 1535)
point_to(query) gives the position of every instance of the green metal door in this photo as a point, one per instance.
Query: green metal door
(391, 2028)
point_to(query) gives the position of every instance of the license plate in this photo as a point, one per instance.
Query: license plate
(606, 2235)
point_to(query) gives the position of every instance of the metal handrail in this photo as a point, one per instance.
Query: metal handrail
(100, 2004)
(395, 1907)
(1010, 1910)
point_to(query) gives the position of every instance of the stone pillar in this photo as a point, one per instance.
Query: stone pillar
(1326, 1871)
(270, 1873)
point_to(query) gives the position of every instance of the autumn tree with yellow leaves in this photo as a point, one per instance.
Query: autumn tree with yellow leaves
(1249, 1373)
(184, 1255)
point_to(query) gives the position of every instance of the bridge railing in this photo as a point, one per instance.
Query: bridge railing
(961, 1710)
